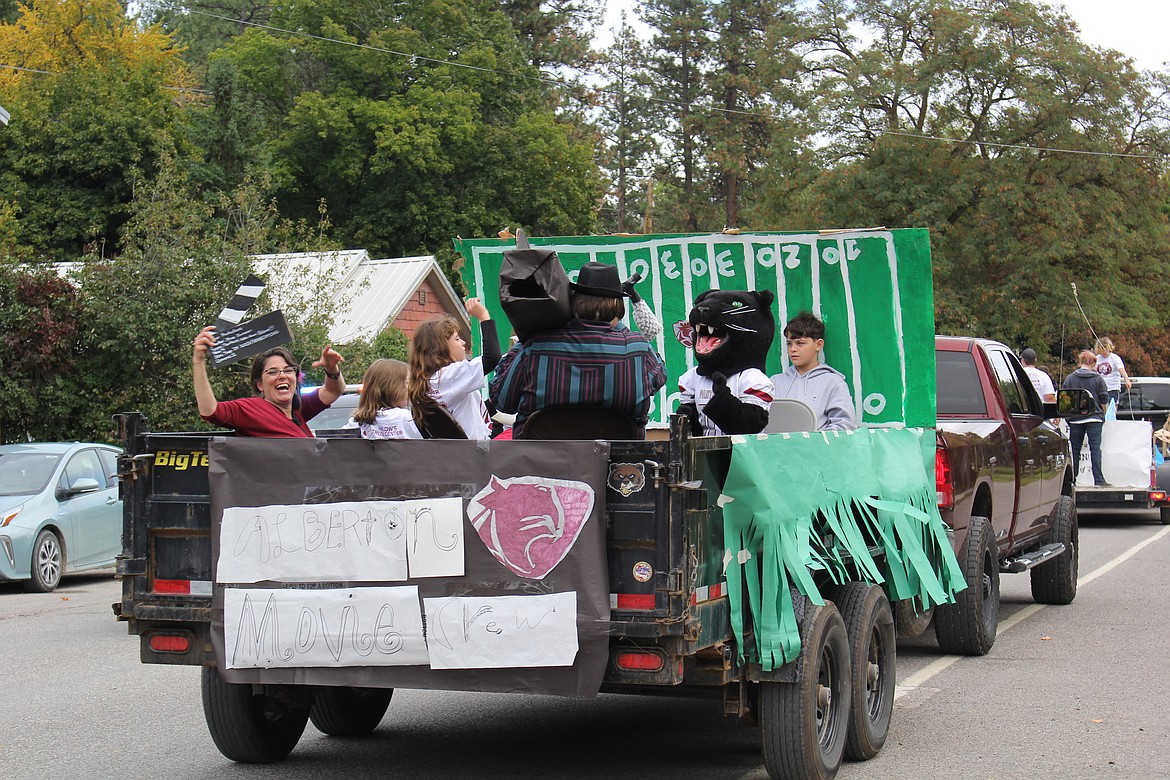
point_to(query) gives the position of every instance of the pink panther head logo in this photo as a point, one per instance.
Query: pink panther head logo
(529, 524)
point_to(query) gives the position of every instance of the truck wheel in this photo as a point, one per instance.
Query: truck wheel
(911, 624)
(869, 623)
(349, 712)
(1164, 513)
(47, 563)
(968, 626)
(251, 728)
(803, 724)
(1055, 582)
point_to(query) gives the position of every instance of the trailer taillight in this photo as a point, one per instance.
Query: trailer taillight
(640, 661)
(169, 643)
(942, 479)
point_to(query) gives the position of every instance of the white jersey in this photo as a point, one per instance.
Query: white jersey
(389, 423)
(750, 386)
(458, 388)
(1110, 368)
(1041, 381)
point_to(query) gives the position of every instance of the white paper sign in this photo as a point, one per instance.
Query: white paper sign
(352, 540)
(502, 631)
(434, 537)
(269, 628)
(1127, 452)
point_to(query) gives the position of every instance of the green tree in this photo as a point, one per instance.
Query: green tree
(41, 316)
(1014, 222)
(627, 125)
(95, 97)
(200, 27)
(738, 134)
(411, 150)
(557, 33)
(681, 41)
(145, 304)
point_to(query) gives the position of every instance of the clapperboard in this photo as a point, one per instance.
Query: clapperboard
(235, 340)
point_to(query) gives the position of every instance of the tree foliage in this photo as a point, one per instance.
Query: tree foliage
(411, 150)
(1014, 221)
(164, 156)
(93, 98)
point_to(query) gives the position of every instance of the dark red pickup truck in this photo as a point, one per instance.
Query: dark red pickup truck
(1005, 487)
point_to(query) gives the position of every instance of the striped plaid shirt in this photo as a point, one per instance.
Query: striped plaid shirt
(587, 364)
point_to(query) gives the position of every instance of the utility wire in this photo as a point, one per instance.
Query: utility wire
(52, 73)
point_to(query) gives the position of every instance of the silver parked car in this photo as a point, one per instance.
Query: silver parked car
(59, 511)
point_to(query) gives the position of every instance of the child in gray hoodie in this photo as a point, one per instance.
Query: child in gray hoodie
(821, 387)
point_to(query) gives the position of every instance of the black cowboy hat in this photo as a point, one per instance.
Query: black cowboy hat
(598, 279)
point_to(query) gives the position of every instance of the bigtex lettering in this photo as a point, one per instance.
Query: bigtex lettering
(180, 461)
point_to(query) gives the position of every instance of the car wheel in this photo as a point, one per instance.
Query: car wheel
(968, 626)
(47, 562)
(1055, 582)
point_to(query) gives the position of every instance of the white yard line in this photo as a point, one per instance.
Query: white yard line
(919, 678)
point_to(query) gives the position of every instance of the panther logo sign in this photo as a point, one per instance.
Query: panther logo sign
(530, 523)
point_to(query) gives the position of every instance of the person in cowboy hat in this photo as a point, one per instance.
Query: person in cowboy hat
(595, 361)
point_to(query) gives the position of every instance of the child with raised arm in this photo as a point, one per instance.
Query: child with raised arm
(808, 379)
(441, 372)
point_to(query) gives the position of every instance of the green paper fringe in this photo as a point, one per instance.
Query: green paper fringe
(911, 558)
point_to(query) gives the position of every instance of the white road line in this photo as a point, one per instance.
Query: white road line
(1120, 559)
(920, 677)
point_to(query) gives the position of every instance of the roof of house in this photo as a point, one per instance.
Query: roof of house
(370, 293)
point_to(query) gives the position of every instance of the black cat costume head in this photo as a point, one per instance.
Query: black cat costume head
(732, 330)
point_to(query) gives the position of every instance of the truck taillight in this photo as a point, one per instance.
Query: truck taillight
(942, 479)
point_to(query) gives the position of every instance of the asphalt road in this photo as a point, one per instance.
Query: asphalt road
(1067, 692)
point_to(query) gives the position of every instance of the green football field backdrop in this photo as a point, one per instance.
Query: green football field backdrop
(872, 289)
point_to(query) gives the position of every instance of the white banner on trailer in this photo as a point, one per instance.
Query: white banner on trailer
(1127, 453)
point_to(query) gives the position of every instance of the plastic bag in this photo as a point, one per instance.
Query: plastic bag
(534, 290)
(1111, 410)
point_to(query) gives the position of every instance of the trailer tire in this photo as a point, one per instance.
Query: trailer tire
(1055, 582)
(251, 728)
(911, 624)
(968, 626)
(803, 724)
(869, 623)
(349, 712)
(1164, 514)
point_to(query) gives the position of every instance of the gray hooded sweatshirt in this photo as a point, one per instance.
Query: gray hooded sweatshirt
(824, 389)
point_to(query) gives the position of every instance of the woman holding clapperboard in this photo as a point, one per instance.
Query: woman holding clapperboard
(279, 410)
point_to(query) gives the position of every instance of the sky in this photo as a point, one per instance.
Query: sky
(1137, 28)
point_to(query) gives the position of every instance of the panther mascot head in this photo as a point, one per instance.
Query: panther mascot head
(732, 330)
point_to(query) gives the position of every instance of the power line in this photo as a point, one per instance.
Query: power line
(56, 73)
(30, 70)
(1025, 146)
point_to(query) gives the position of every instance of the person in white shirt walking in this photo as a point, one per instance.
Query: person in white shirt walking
(1040, 379)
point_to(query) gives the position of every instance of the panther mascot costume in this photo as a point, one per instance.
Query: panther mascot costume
(729, 392)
